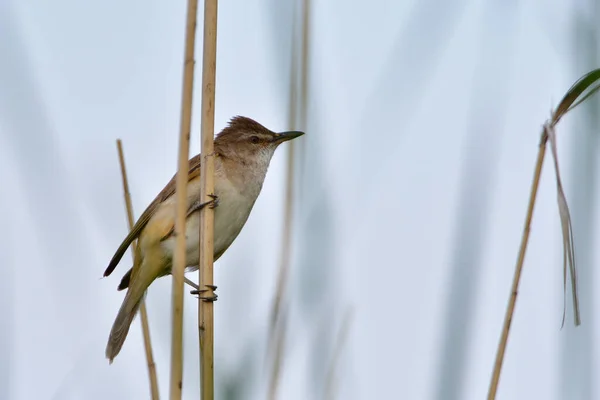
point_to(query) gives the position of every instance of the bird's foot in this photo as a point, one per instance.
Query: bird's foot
(206, 296)
(195, 206)
(198, 205)
(214, 202)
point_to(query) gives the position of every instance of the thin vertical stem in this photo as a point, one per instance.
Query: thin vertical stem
(181, 203)
(330, 382)
(207, 187)
(287, 212)
(306, 5)
(278, 322)
(518, 269)
(143, 311)
(277, 329)
(278, 316)
(479, 171)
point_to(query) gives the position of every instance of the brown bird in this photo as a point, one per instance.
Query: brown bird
(243, 151)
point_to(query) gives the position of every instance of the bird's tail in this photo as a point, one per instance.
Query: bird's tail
(127, 312)
(120, 327)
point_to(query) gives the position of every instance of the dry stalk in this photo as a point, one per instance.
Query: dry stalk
(207, 185)
(181, 203)
(518, 269)
(585, 87)
(143, 311)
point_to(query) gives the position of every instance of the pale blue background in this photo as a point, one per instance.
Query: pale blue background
(422, 126)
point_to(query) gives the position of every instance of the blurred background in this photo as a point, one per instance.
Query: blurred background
(409, 196)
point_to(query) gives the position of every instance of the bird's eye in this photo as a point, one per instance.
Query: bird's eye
(254, 139)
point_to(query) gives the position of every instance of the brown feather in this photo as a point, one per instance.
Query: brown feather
(237, 125)
(168, 191)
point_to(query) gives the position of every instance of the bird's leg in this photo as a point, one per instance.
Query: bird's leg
(191, 283)
(197, 291)
(206, 297)
(211, 288)
(215, 200)
(198, 205)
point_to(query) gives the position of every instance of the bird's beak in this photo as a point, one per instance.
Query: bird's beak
(285, 136)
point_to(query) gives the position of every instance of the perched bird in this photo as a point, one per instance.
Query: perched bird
(243, 151)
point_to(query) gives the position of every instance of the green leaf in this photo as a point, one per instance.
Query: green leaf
(575, 92)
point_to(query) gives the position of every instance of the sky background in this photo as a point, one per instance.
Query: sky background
(422, 122)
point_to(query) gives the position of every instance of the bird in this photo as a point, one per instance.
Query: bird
(242, 154)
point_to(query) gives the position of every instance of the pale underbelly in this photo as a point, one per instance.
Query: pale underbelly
(230, 218)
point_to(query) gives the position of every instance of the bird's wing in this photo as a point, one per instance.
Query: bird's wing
(168, 190)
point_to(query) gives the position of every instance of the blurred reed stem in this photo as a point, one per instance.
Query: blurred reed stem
(207, 187)
(143, 312)
(179, 255)
(330, 381)
(277, 333)
(279, 318)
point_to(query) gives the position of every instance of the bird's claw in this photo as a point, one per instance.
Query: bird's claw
(207, 298)
(196, 206)
(214, 202)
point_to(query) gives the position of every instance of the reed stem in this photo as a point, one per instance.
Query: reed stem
(518, 269)
(143, 312)
(179, 261)
(207, 187)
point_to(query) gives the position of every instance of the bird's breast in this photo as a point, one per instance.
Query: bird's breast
(230, 216)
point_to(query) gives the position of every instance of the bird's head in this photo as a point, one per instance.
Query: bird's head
(247, 141)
